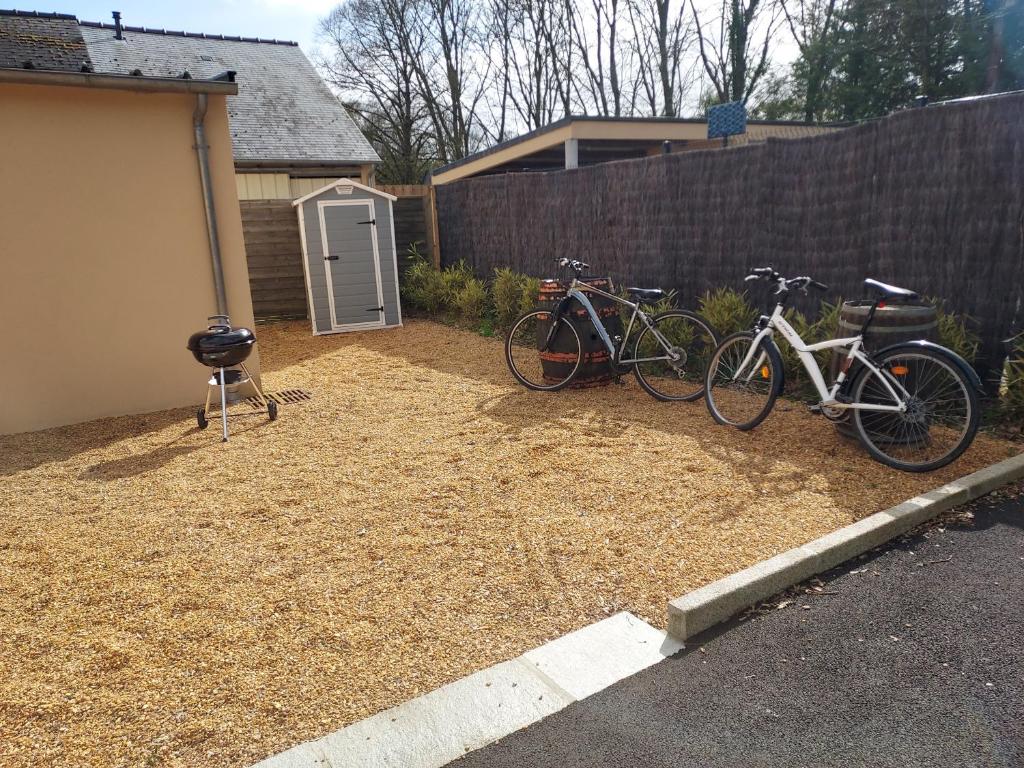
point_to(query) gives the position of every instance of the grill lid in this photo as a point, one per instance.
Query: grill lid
(220, 345)
(219, 338)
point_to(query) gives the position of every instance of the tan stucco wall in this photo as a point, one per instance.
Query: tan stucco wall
(104, 259)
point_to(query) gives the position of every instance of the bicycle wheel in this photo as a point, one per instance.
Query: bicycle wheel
(742, 399)
(942, 412)
(551, 369)
(676, 373)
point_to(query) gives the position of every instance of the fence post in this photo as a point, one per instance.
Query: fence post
(430, 210)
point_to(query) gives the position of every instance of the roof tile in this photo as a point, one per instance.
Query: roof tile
(283, 111)
(45, 40)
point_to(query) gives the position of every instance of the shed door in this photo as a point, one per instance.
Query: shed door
(352, 263)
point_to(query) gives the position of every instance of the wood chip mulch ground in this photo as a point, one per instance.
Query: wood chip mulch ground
(167, 600)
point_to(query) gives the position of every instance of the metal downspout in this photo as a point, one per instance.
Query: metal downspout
(202, 151)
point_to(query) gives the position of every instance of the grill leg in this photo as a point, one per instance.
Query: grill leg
(224, 405)
(259, 392)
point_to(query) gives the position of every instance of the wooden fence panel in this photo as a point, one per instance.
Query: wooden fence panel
(274, 253)
(931, 198)
(414, 220)
(411, 227)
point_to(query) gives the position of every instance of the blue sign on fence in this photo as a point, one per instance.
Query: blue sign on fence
(727, 120)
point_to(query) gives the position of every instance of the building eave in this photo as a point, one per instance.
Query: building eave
(135, 83)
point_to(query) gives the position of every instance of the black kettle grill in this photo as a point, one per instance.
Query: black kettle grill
(222, 348)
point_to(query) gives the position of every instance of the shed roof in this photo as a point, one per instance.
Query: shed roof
(344, 183)
(48, 41)
(603, 139)
(283, 113)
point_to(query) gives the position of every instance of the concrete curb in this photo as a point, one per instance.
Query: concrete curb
(722, 599)
(440, 726)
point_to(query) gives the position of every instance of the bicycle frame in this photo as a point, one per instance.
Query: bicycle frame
(806, 352)
(578, 291)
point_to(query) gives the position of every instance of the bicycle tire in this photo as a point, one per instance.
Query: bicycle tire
(535, 383)
(643, 380)
(774, 388)
(871, 428)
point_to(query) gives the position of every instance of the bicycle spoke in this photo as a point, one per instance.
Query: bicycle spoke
(672, 367)
(740, 397)
(938, 418)
(538, 366)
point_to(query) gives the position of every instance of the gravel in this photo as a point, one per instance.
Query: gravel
(168, 600)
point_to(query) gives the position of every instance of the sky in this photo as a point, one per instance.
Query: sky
(284, 19)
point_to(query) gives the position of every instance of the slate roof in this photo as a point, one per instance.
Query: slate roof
(283, 112)
(47, 40)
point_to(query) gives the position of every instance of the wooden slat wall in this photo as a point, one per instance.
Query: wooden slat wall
(405, 190)
(303, 186)
(281, 186)
(263, 186)
(274, 253)
(414, 214)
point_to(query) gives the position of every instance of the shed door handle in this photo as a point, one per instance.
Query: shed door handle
(375, 309)
(368, 221)
(331, 258)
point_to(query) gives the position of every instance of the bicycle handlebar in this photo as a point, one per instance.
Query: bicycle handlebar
(576, 266)
(770, 275)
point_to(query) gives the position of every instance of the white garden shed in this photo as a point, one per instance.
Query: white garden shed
(348, 255)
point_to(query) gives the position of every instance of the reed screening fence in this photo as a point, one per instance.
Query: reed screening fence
(930, 198)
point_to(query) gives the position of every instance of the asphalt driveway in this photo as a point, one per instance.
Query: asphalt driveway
(911, 656)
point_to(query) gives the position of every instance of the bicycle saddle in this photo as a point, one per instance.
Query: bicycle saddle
(646, 294)
(891, 291)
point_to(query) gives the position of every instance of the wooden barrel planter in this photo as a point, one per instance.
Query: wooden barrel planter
(595, 370)
(892, 324)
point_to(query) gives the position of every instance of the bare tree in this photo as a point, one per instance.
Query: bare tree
(660, 39)
(734, 48)
(448, 57)
(596, 40)
(501, 45)
(365, 61)
(534, 49)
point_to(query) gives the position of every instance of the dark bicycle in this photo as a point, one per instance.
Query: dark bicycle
(544, 351)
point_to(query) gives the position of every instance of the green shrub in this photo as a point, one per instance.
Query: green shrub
(413, 254)
(486, 327)
(424, 287)
(470, 301)
(728, 311)
(826, 326)
(513, 293)
(955, 332)
(530, 292)
(455, 278)
(508, 295)
(798, 382)
(1011, 392)
(664, 304)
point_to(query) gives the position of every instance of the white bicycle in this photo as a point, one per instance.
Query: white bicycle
(914, 405)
